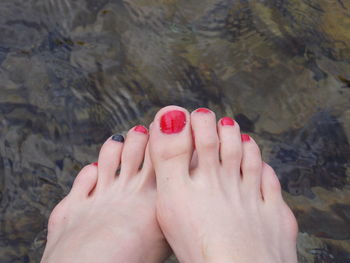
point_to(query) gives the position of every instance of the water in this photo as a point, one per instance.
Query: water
(74, 72)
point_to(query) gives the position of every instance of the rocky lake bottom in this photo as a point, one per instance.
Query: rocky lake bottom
(74, 72)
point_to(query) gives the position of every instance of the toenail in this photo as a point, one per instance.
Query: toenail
(95, 164)
(227, 121)
(118, 138)
(172, 122)
(245, 137)
(203, 110)
(140, 128)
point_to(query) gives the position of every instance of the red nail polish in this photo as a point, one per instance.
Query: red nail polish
(245, 137)
(227, 121)
(140, 128)
(173, 122)
(203, 110)
(95, 164)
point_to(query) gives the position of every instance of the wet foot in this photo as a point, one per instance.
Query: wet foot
(229, 207)
(109, 218)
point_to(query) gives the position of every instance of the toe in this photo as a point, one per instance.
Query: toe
(85, 182)
(171, 144)
(57, 217)
(206, 138)
(147, 166)
(270, 185)
(230, 145)
(273, 199)
(133, 151)
(147, 172)
(194, 160)
(251, 166)
(109, 160)
(83, 185)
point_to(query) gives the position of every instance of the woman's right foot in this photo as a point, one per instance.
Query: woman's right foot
(229, 208)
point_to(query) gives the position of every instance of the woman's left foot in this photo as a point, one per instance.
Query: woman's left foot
(110, 218)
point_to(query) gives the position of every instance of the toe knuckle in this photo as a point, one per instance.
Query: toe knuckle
(254, 166)
(88, 168)
(234, 153)
(274, 182)
(210, 144)
(267, 167)
(56, 215)
(291, 222)
(275, 185)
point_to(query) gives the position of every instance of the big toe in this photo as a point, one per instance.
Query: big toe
(171, 145)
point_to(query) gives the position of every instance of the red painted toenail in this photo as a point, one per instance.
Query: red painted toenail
(95, 164)
(227, 121)
(173, 122)
(140, 128)
(245, 137)
(203, 110)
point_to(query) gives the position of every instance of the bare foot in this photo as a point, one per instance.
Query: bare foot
(109, 218)
(229, 208)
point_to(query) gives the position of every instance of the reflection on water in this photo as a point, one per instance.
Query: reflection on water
(74, 72)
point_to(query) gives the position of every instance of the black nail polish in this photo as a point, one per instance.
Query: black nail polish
(118, 138)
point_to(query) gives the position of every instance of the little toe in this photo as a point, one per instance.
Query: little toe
(206, 138)
(133, 151)
(273, 199)
(109, 160)
(83, 185)
(251, 166)
(85, 182)
(230, 145)
(270, 185)
(171, 145)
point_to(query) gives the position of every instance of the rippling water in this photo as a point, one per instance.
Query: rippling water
(74, 72)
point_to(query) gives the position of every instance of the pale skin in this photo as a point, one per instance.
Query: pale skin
(226, 206)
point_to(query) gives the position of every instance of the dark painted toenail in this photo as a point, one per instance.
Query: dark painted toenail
(95, 164)
(245, 138)
(140, 128)
(227, 121)
(173, 122)
(203, 110)
(118, 138)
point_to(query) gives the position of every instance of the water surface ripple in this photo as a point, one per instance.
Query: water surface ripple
(74, 72)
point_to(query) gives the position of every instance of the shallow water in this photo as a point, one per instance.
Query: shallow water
(74, 72)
